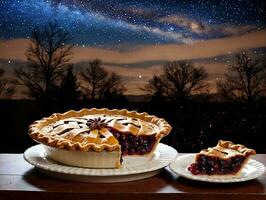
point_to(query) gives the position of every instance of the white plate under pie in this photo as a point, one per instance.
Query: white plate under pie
(252, 170)
(132, 169)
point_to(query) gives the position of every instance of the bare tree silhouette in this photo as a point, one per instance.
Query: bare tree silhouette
(156, 88)
(70, 89)
(98, 83)
(245, 80)
(6, 88)
(47, 55)
(112, 88)
(94, 77)
(179, 80)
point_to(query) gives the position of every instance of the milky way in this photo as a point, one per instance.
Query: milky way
(107, 23)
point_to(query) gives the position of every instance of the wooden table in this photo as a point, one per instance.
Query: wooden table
(20, 180)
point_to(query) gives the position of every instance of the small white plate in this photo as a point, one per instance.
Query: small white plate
(133, 169)
(252, 170)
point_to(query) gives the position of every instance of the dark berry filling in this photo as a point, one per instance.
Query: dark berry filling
(212, 165)
(134, 145)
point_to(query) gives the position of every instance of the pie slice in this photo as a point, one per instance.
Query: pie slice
(224, 159)
(98, 138)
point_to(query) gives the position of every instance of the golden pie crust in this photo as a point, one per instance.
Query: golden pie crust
(226, 150)
(71, 131)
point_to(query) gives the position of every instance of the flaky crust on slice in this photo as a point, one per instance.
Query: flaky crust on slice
(227, 149)
(237, 147)
(36, 133)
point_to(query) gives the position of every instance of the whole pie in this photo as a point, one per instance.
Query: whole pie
(98, 138)
(226, 158)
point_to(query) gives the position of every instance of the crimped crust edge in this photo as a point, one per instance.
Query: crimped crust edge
(35, 128)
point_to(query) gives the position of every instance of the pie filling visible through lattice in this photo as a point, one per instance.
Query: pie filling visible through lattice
(119, 132)
(225, 158)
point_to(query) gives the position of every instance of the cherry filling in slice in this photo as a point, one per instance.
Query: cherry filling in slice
(132, 144)
(212, 165)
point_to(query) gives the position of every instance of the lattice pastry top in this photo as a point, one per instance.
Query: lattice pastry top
(93, 129)
(227, 149)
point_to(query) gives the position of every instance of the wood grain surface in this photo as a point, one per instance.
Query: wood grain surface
(20, 180)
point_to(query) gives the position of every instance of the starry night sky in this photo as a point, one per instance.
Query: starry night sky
(107, 28)
(101, 23)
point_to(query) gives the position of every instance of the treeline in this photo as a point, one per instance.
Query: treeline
(50, 79)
